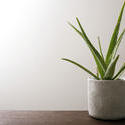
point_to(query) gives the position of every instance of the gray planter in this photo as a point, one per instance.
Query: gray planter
(106, 99)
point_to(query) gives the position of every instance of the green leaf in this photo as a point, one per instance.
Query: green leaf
(120, 72)
(76, 30)
(97, 73)
(100, 48)
(98, 59)
(111, 68)
(114, 37)
(82, 67)
(118, 43)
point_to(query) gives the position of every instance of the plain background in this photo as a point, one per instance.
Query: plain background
(34, 36)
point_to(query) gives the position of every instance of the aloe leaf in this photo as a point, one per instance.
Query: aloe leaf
(120, 72)
(82, 67)
(89, 44)
(101, 59)
(111, 68)
(100, 48)
(97, 73)
(76, 30)
(98, 59)
(114, 37)
(118, 43)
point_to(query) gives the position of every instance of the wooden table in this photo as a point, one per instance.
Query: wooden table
(51, 118)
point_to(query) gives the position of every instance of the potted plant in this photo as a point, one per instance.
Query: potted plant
(106, 90)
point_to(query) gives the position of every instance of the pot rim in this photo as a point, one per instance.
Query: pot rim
(92, 79)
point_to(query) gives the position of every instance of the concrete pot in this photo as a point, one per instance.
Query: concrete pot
(106, 99)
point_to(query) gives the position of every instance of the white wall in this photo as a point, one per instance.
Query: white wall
(34, 36)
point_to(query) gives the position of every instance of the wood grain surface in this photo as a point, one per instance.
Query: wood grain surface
(51, 118)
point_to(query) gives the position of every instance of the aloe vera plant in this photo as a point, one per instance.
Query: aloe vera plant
(105, 65)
